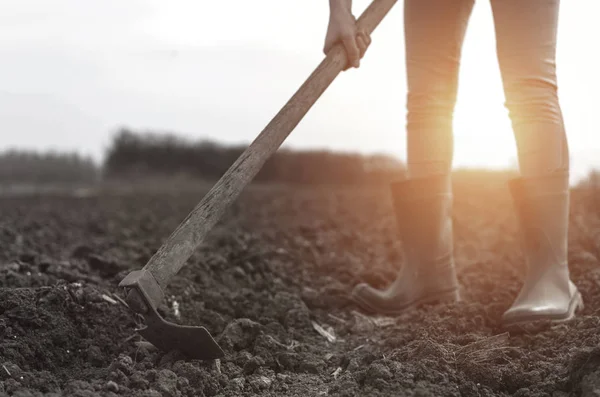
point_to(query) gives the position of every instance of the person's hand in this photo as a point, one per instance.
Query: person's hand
(342, 28)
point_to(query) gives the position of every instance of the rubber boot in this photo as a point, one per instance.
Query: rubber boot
(423, 210)
(542, 208)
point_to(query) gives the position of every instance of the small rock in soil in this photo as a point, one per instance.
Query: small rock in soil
(378, 371)
(123, 363)
(112, 386)
(253, 364)
(236, 384)
(260, 383)
(239, 334)
(166, 382)
(311, 363)
(137, 381)
(590, 385)
(95, 356)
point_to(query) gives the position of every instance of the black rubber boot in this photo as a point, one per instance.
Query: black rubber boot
(423, 210)
(542, 207)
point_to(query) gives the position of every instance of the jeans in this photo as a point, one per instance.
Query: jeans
(526, 48)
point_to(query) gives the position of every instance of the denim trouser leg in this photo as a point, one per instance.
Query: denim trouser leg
(526, 47)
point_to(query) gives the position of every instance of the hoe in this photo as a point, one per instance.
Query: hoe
(145, 287)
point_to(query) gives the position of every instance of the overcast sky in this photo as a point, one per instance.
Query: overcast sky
(74, 71)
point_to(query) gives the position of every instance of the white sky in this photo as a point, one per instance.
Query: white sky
(72, 72)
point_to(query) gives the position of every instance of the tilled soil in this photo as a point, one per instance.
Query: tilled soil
(278, 268)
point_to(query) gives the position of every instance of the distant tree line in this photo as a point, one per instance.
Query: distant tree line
(136, 155)
(30, 167)
(133, 154)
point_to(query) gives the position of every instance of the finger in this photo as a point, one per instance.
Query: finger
(352, 51)
(365, 37)
(362, 46)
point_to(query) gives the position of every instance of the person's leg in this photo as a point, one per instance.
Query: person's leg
(434, 32)
(526, 34)
(526, 45)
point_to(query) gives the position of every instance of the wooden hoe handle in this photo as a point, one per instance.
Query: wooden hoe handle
(177, 249)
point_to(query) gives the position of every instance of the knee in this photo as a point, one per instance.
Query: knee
(432, 89)
(430, 107)
(538, 125)
(532, 99)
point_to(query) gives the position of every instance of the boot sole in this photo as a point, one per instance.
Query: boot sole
(535, 323)
(450, 296)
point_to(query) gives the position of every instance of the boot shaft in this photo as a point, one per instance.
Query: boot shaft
(542, 209)
(423, 209)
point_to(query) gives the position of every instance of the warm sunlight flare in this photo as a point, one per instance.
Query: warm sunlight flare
(196, 69)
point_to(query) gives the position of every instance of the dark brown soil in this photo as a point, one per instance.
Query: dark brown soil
(282, 260)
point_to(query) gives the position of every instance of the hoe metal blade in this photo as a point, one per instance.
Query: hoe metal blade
(194, 342)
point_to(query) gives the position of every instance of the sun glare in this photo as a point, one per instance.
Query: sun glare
(482, 129)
